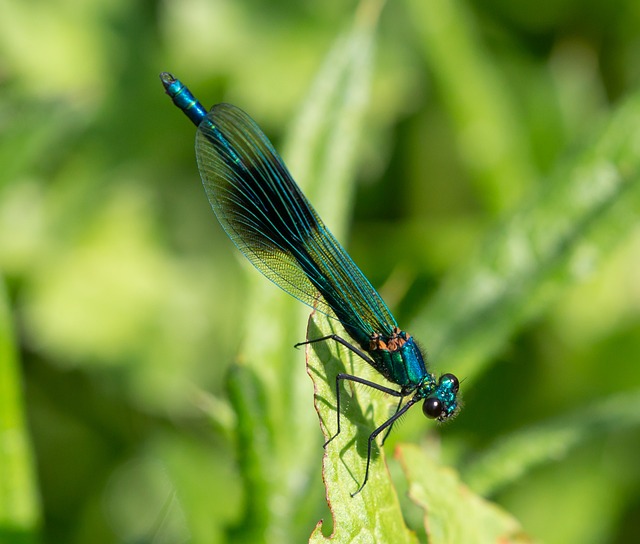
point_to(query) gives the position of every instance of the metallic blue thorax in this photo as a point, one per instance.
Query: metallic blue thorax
(399, 359)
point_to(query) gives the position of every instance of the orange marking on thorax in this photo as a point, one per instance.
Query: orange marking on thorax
(393, 343)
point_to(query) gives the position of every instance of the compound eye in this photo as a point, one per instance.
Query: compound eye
(432, 407)
(455, 384)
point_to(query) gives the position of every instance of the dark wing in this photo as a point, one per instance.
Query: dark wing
(266, 215)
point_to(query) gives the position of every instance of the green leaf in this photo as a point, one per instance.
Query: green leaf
(374, 514)
(453, 513)
(19, 504)
(512, 457)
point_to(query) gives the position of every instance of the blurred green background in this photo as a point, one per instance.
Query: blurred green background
(124, 305)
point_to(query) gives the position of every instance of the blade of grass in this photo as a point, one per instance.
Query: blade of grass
(548, 243)
(19, 504)
(491, 142)
(323, 141)
(512, 457)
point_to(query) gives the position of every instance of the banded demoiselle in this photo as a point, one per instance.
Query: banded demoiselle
(266, 215)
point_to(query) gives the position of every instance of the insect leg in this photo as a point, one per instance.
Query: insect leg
(342, 341)
(386, 435)
(375, 433)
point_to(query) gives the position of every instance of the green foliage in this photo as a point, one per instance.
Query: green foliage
(19, 506)
(451, 512)
(497, 151)
(515, 455)
(567, 225)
